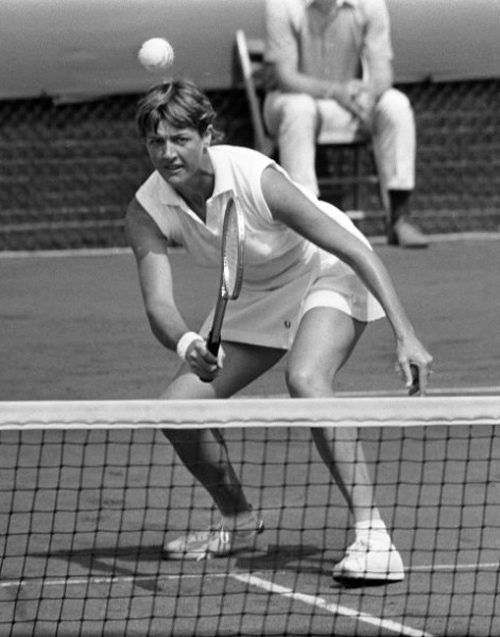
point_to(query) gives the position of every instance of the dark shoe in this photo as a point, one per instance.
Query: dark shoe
(405, 235)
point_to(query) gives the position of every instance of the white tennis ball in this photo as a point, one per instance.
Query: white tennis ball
(156, 54)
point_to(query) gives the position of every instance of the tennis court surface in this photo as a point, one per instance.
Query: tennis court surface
(90, 490)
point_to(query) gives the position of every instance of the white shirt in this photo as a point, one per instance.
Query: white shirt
(280, 265)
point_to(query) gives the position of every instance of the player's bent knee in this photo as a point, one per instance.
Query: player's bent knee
(304, 383)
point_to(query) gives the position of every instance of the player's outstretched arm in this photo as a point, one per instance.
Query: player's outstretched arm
(292, 207)
(155, 277)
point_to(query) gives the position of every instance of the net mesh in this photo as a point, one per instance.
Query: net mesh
(69, 170)
(90, 493)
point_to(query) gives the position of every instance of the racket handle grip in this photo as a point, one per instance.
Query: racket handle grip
(415, 375)
(213, 344)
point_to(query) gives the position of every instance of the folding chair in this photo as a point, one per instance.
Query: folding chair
(250, 54)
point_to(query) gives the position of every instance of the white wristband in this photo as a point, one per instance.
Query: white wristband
(185, 341)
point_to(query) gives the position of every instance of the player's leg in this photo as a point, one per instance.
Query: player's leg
(204, 453)
(243, 364)
(324, 342)
(293, 119)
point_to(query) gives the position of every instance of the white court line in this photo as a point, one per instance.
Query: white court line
(58, 254)
(335, 609)
(91, 252)
(105, 579)
(445, 237)
(431, 391)
(451, 568)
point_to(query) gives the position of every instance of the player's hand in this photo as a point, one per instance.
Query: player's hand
(202, 362)
(415, 365)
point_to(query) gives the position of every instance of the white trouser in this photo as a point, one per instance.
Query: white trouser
(296, 120)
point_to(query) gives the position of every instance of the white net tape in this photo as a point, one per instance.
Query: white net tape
(378, 411)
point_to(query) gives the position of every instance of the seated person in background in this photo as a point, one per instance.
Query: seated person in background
(317, 49)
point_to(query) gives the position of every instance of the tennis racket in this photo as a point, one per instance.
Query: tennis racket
(415, 378)
(231, 278)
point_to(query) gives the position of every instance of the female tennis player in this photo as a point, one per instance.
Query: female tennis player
(311, 285)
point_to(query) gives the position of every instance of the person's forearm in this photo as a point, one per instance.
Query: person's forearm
(316, 87)
(374, 274)
(166, 324)
(326, 89)
(380, 80)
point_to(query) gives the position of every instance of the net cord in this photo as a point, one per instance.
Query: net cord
(391, 411)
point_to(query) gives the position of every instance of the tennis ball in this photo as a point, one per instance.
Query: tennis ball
(156, 54)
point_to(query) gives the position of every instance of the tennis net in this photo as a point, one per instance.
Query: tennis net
(91, 491)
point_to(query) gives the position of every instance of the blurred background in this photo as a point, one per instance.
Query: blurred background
(70, 80)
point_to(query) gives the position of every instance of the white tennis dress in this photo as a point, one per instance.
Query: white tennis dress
(285, 275)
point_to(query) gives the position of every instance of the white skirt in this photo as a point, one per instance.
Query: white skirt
(270, 318)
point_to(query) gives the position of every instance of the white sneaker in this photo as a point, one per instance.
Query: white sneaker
(217, 542)
(370, 560)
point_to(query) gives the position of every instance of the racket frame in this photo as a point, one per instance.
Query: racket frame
(225, 293)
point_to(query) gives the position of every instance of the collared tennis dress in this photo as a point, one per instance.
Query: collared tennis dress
(285, 275)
